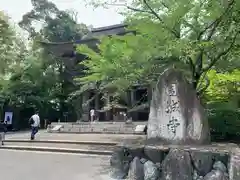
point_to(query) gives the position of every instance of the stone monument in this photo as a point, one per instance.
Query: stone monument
(177, 146)
(176, 115)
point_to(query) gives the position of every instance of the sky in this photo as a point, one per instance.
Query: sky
(88, 15)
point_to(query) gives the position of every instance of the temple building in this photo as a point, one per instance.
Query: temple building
(137, 104)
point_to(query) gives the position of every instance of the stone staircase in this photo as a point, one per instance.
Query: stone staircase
(83, 143)
(97, 127)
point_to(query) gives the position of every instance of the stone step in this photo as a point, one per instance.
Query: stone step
(100, 123)
(118, 130)
(101, 143)
(60, 147)
(42, 135)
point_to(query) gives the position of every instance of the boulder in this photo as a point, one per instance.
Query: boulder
(151, 171)
(176, 115)
(136, 171)
(220, 166)
(135, 147)
(177, 166)
(143, 160)
(234, 166)
(120, 162)
(155, 155)
(215, 175)
(202, 162)
(223, 157)
(195, 175)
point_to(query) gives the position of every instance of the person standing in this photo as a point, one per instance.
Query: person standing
(92, 115)
(35, 124)
(7, 120)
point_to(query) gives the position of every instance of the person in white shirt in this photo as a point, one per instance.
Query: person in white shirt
(92, 114)
(35, 124)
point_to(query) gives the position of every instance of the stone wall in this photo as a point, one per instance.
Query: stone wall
(138, 161)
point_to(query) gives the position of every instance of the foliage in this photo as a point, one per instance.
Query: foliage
(31, 78)
(223, 86)
(30, 85)
(124, 61)
(201, 38)
(224, 124)
(9, 44)
(56, 25)
(191, 35)
(12, 51)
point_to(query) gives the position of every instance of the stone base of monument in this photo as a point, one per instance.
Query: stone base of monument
(137, 161)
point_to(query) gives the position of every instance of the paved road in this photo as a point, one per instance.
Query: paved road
(19, 165)
(43, 135)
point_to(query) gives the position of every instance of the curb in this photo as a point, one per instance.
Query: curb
(62, 142)
(62, 150)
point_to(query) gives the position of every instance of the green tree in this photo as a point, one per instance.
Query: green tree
(195, 36)
(56, 26)
(32, 85)
(222, 101)
(224, 87)
(10, 44)
(199, 37)
(12, 52)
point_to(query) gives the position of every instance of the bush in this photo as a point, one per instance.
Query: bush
(224, 124)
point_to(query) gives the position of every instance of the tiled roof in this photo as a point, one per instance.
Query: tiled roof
(118, 29)
(64, 48)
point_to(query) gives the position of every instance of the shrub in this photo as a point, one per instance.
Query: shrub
(224, 124)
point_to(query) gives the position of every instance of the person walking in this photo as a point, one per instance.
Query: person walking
(3, 130)
(35, 124)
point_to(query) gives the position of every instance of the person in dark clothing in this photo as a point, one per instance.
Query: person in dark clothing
(145, 130)
(8, 119)
(3, 130)
(5, 126)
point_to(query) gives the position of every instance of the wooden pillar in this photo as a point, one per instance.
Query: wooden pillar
(96, 102)
(133, 103)
(107, 104)
(78, 107)
(133, 98)
(97, 105)
(129, 104)
(85, 107)
(149, 92)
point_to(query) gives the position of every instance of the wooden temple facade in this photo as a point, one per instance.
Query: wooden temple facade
(138, 97)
